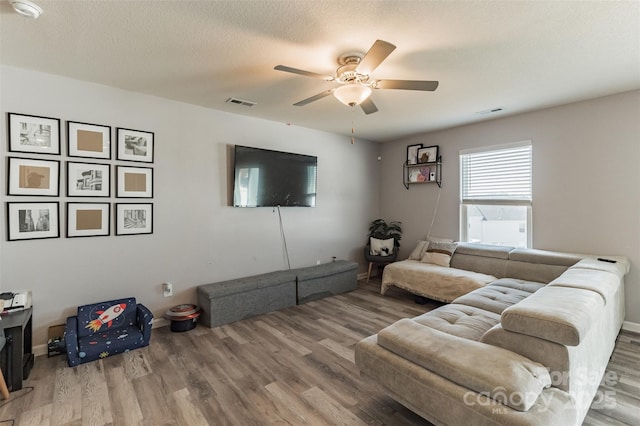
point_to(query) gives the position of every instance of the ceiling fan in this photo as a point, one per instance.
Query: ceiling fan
(354, 77)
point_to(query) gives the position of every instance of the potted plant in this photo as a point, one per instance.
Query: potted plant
(382, 230)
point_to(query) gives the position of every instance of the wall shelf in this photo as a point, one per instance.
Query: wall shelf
(422, 173)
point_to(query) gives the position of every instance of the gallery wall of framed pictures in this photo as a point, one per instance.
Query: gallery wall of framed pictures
(86, 174)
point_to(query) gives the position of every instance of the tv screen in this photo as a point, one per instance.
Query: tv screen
(266, 178)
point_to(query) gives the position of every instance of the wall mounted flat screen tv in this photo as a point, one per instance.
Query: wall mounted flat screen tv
(266, 178)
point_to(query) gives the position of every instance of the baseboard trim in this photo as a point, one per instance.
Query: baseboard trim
(631, 326)
(40, 350)
(160, 322)
(362, 276)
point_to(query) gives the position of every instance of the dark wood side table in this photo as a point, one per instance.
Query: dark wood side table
(16, 358)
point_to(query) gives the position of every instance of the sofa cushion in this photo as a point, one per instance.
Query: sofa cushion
(110, 342)
(590, 274)
(484, 250)
(554, 356)
(483, 258)
(494, 298)
(432, 281)
(543, 256)
(460, 320)
(601, 282)
(537, 265)
(419, 250)
(504, 376)
(439, 253)
(558, 314)
(619, 268)
(110, 315)
(528, 286)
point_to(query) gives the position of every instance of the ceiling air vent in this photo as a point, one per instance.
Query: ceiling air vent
(240, 102)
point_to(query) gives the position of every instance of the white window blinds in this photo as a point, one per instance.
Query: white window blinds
(497, 175)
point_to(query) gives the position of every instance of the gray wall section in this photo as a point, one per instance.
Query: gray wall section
(586, 180)
(586, 195)
(197, 238)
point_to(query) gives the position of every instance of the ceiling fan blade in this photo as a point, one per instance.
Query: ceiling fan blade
(303, 72)
(407, 85)
(314, 98)
(368, 106)
(374, 57)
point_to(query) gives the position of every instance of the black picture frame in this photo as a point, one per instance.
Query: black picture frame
(30, 220)
(135, 145)
(134, 182)
(33, 177)
(88, 179)
(133, 218)
(87, 140)
(33, 134)
(428, 154)
(412, 153)
(88, 219)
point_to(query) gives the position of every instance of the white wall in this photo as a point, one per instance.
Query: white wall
(586, 180)
(197, 238)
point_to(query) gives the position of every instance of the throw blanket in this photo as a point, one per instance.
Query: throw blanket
(435, 282)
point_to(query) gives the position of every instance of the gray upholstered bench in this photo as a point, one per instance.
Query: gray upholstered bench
(228, 301)
(328, 279)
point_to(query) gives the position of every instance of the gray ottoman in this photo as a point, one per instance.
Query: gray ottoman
(328, 279)
(228, 301)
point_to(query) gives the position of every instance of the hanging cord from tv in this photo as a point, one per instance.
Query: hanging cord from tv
(435, 212)
(284, 239)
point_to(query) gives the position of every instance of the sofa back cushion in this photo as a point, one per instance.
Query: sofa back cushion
(109, 315)
(558, 314)
(483, 258)
(538, 265)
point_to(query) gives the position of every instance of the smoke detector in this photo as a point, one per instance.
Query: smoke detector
(26, 8)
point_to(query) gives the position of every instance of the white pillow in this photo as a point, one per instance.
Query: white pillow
(381, 247)
(439, 253)
(418, 252)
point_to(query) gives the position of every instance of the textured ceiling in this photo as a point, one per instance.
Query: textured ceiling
(516, 55)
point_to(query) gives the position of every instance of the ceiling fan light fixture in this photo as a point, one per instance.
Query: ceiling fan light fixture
(26, 8)
(352, 94)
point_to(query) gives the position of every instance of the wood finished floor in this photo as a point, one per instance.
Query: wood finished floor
(291, 367)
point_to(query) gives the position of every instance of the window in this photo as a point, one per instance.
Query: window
(496, 195)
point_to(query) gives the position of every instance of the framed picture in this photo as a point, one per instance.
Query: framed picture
(132, 219)
(88, 140)
(30, 133)
(30, 221)
(134, 182)
(428, 154)
(33, 177)
(87, 219)
(412, 153)
(135, 145)
(88, 180)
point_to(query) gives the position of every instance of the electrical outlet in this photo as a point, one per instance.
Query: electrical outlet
(167, 289)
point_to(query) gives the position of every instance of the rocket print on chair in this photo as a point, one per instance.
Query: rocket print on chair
(106, 317)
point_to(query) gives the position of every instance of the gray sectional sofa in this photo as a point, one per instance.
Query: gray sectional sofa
(528, 348)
